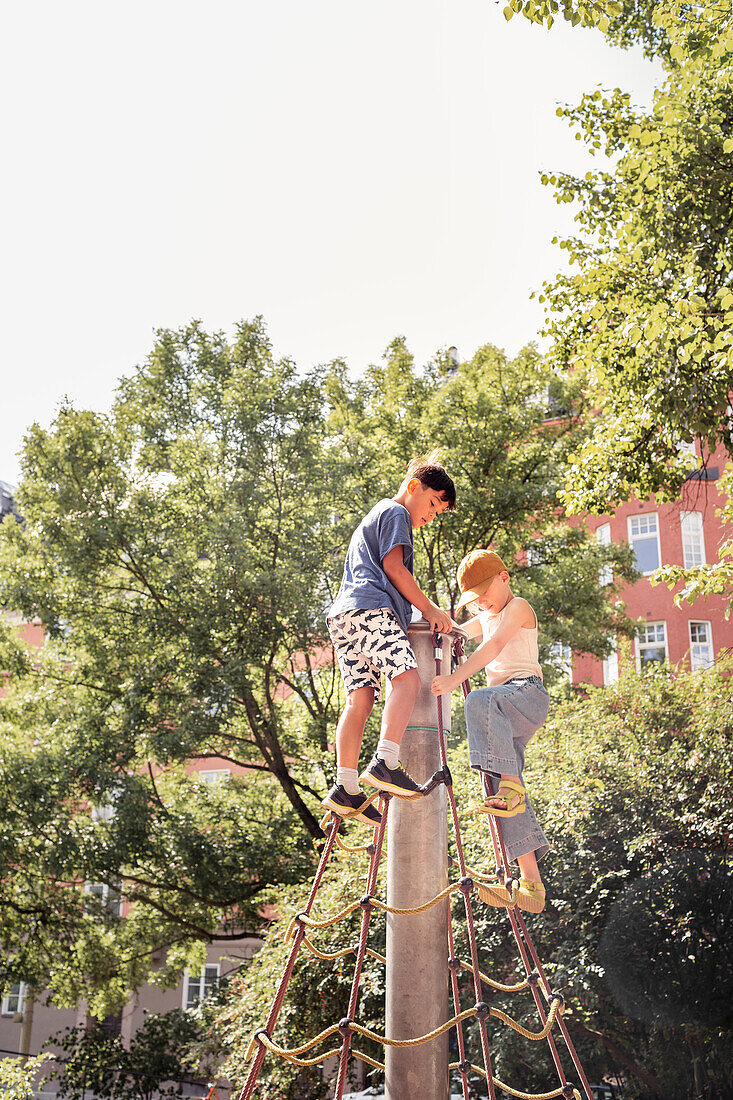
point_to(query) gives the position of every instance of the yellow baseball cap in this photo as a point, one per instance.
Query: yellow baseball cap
(475, 574)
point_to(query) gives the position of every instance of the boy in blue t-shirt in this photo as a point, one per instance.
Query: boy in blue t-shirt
(368, 626)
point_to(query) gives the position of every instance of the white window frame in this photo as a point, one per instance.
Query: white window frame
(204, 988)
(686, 520)
(110, 897)
(610, 666)
(696, 663)
(214, 775)
(603, 536)
(639, 645)
(646, 537)
(14, 1002)
(564, 659)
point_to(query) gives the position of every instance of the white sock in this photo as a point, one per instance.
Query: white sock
(389, 751)
(349, 779)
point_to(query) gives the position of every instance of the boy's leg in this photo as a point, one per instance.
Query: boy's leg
(350, 729)
(404, 690)
(346, 797)
(385, 772)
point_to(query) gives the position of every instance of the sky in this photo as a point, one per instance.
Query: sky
(351, 172)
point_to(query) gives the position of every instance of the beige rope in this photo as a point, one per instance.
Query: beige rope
(327, 955)
(368, 1060)
(293, 1052)
(516, 1092)
(549, 1023)
(418, 908)
(517, 988)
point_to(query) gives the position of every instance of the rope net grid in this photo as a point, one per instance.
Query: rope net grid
(548, 1004)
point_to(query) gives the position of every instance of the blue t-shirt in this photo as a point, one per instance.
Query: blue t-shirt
(365, 585)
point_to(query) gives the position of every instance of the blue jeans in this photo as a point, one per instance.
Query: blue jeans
(500, 722)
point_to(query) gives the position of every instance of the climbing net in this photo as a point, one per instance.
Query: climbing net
(549, 1004)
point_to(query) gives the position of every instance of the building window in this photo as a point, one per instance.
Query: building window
(610, 666)
(651, 644)
(14, 1001)
(693, 542)
(701, 646)
(198, 986)
(562, 659)
(109, 898)
(212, 777)
(644, 538)
(603, 536)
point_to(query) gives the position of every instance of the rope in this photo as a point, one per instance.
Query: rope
(516, 1092)
(261, 1042)
(290, 1053)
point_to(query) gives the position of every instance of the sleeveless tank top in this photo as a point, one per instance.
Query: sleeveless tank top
(518, 658)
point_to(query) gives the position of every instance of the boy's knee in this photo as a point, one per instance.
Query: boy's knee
(474, 705)
(407, 682)
(361, 702)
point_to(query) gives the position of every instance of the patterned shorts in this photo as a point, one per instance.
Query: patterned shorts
(369, 643)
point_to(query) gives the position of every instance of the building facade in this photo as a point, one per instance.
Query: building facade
(687, 532)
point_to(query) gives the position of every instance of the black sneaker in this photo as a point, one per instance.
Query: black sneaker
(395, 780)
(349, 806)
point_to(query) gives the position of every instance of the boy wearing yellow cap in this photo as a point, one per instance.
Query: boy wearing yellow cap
(502, 718)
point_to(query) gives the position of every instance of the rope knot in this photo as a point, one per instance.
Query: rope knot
(464, 1067)
(533, 978)
(481, 1009)
(345, 1026)
(568, 1092)
(466, 885)
(557, 997)
(366, 902)
(454, 964)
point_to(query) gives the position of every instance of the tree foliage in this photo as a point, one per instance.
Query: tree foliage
(181, 552)
(646, 317)
(155, 1065)
(586, 13)
(713, 578)
(19, 1079)
(633, 786)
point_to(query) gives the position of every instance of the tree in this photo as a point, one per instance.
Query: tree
(646, 319)
(156, 1064)
(633, 784)
(18, 1079)
(182, 552)
(713, 578)
(505, 428)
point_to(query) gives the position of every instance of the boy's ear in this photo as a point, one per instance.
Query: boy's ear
(414, 484)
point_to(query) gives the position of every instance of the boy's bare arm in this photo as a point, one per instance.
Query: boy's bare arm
(472, 627)
(394, 566)
(519, 614)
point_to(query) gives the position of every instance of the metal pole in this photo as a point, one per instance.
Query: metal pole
(417, 870)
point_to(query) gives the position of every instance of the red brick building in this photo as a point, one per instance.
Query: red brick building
(688, 532)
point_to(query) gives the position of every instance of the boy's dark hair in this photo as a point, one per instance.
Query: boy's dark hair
(430, 472)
